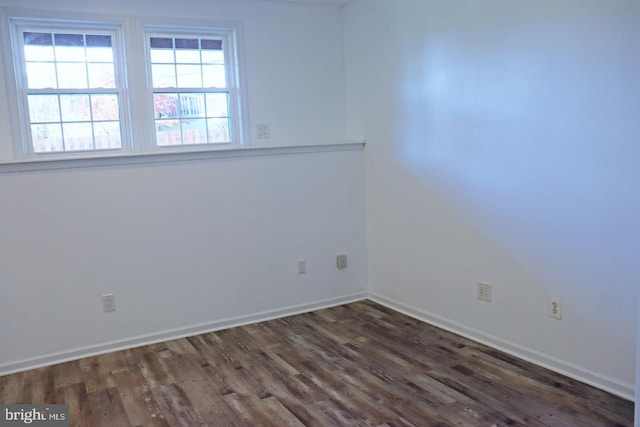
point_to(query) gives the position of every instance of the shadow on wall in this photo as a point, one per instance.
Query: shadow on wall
(530, 133)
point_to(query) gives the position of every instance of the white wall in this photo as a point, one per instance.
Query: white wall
(179, 244)
(186, 246)
(502, 146)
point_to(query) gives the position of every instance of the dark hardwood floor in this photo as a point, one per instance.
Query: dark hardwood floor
(358, 364)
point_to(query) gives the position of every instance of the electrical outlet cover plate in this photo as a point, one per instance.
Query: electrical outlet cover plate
(341, 261)
(263, 131)
(555, 308)
(484, 292)
(108, 303)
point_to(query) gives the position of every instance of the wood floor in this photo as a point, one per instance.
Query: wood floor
(359, 364)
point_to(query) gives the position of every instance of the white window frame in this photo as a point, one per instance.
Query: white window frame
(132, 62)
(23, 146)
(228, 33)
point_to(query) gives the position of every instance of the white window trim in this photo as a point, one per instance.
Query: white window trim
(137, 104)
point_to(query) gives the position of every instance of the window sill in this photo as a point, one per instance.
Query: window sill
(263, 149)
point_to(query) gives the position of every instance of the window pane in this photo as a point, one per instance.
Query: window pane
(75, 108)
(46, 138)
(107, 135)
(214, 76)
(187, 44)
(94, 40)
(192, 105)
(188, 56)
(165, 105)
(162, 56)
(41, 75)
(211, 44)
(73, 40)
(69, 47)
(217, 105)
(37, 39)
(38, 53)
(72, 75)
(168, 132)
(218, 130)
(69, 53)
(189, 76)
(161, 42)
(77, 136)
(163, 75)
(38, 46)
(101, 76)
(105, 107)
(212, 57)
(99, 54)
(44, 108)
(194, 131)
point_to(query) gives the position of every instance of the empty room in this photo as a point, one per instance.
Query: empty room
(319, 212)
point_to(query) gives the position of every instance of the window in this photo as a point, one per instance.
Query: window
(190, 92)
(73, 80)
(70, 89)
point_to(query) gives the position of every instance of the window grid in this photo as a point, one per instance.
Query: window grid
(67, 108)
(96, 120)
(59, 131)
(55, 60)
(188, 110)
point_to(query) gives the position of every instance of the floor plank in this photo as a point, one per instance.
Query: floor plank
(360, 364)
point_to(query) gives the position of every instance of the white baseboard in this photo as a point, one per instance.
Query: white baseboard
(611, 385)
(156, 337)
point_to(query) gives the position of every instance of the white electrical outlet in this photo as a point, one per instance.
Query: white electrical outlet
(555, 308)
(263, 131)
(108, 303)
(302, 267)
(484, 292)
(341, 261)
